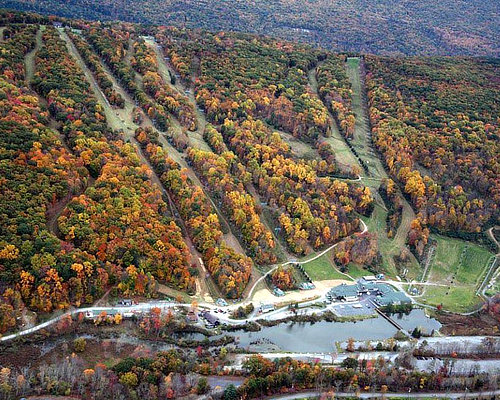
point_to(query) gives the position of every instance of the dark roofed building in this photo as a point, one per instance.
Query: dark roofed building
(345, 292)
(211, 319)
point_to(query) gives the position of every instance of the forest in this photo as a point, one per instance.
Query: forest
(113, 229)
(269, 81)
(87, 209)
(435, 121)
(178, 170)
(230, 269)
(364, 26)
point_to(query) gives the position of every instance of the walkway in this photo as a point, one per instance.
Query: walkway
(391, 321)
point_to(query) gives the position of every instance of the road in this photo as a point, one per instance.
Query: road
(492, 235)
(400, 395)
(318, 255)
(138, 308)
(490, 276)
(147, 306)
(323, 358)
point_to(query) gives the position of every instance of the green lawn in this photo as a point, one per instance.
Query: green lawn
(459, 265)
(323, 269)
(462, 261)
(357, 271)
(456, 298)
(474, 261)
(388, 247)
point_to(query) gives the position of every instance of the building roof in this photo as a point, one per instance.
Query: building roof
(368, 286)
(392, 298)
(221, 302)
(387, 293)
(345, 290)
(212, 319)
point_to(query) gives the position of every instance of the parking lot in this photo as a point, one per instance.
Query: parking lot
(362, 307)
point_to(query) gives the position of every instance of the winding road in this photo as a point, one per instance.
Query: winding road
(129, 134)
(492, 235)
(147, 306)
(316, 256)
(118, 123)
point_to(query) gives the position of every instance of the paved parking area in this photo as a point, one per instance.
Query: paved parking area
(363, 307)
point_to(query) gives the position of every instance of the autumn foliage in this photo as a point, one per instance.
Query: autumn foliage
(283, 278)
(435, 121)
(144, 61)
(226, 177)
(230, 270)
(115, 226)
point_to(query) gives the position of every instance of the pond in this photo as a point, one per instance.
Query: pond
(321, 336)
(417, 319)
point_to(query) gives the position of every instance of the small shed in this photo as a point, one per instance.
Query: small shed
(265, 308)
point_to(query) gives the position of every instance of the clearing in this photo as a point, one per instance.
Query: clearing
(299, 148)
(362, 142)
(343, 154)
(195, 137)
(461, 266)
(323, 268)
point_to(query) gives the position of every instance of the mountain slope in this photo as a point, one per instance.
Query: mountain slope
(447, 27)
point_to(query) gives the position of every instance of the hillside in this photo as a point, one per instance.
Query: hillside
(146, 160)
(195, 214)
(391, 27)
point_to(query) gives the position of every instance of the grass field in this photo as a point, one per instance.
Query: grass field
(323, 269)
(362, 142)
(459, 260)
(459, 265)
(342, 152)
(298, 147)
(456, 298)
(356, 270)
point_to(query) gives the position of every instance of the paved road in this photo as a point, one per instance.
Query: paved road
(492, 235)
(223, 317)
(400, 395)
(141, 308)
